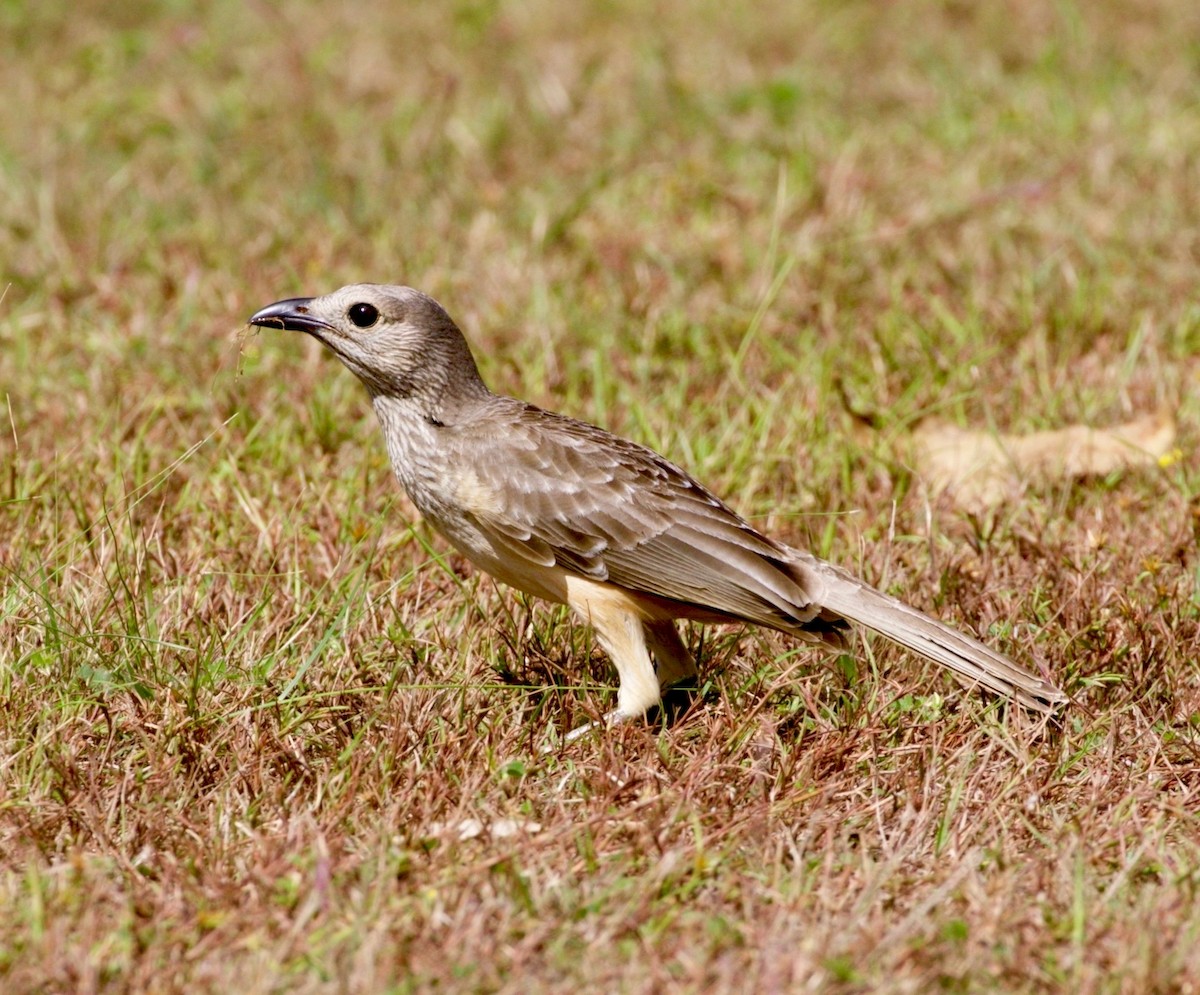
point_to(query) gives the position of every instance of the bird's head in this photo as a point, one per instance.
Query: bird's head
(396, 340)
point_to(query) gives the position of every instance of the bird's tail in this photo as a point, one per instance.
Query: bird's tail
(972, 661)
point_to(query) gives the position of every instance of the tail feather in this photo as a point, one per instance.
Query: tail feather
(972, 661)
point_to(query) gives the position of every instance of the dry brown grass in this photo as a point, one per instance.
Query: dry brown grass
(251, 707)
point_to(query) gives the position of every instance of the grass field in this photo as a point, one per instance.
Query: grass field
(261, 731)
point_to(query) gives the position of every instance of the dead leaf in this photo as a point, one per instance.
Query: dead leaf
(982, 469)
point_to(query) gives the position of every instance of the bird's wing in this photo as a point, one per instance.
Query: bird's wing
(559, 491)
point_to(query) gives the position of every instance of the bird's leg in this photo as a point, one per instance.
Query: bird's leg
(673, 662)
(624, 640)
(675, 667)
(620, 631)
(657, 644)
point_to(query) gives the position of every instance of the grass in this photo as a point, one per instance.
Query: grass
(252, 707)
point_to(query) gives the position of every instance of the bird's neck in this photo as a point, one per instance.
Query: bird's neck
(418, 436)
(432, 408)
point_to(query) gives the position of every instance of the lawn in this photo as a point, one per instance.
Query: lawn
(262, 730)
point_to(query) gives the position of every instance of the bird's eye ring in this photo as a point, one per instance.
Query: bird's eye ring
(364, 315)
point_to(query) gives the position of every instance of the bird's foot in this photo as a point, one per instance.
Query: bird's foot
(675, 702)
(615, 717)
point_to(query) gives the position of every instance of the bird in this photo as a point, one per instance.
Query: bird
(573, 514)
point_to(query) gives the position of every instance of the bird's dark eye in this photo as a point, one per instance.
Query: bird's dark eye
(364, 315)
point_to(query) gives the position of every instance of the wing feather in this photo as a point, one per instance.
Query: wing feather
(569, 493)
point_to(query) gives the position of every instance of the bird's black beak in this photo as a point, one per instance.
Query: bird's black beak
(291, 315)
